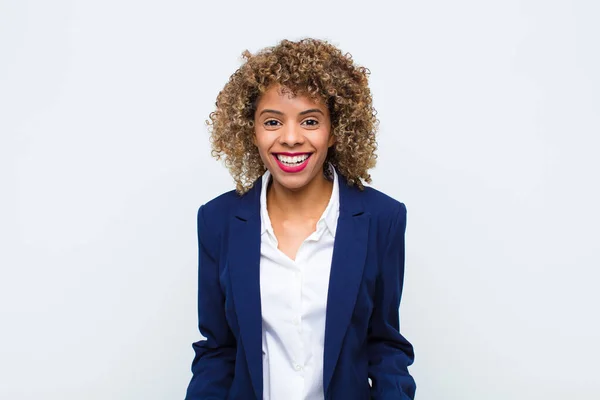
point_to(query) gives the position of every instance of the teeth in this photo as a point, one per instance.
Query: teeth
(292, 160)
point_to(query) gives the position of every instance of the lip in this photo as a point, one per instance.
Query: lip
(285, 153)
(294, 169)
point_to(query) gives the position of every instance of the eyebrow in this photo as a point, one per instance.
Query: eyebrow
(300, 113)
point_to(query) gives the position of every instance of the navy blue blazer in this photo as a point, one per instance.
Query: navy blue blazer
(362, 338)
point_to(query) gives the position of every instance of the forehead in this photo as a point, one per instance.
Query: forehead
(281, 97)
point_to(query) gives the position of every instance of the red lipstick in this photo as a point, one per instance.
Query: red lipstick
(292, 168)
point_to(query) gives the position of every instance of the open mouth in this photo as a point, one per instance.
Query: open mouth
(292, 161)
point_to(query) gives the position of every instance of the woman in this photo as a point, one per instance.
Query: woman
(301, 267)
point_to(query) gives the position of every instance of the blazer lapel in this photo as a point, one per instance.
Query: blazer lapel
(244, 270)
(349, 254)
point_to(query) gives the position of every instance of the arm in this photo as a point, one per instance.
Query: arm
(214, 361)
(390, 353)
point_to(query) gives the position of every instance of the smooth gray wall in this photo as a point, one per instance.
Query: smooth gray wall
(489, 133)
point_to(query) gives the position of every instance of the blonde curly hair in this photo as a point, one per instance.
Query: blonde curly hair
(309, 67)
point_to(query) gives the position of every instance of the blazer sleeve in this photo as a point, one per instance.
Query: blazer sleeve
(390, 353)
(214, 361)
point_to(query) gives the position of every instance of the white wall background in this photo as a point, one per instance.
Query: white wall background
(490, 124)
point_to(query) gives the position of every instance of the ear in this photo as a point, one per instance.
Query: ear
(331, 140)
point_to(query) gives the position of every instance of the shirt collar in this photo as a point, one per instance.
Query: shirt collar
(329, 216)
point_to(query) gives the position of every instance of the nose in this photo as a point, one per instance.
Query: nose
(291, 135)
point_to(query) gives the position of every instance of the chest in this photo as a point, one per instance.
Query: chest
(295, 289)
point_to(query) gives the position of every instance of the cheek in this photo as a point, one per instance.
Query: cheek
(262, 144)
(325, 140)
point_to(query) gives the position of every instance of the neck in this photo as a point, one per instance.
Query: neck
(308, 202)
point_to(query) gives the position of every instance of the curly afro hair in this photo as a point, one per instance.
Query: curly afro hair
(310, 67)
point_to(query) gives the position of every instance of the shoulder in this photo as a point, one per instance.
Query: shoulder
(388, 213)
(219, 208)
(221, 204)
(217, 211)
(380, 204)
(213, 215)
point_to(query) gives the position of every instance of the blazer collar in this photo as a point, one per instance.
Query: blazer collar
(350, 199)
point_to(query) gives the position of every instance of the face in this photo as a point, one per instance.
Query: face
(292, 135)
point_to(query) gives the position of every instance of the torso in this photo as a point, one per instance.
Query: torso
(294, 279)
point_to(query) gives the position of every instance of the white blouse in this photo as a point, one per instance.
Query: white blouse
(293, 304)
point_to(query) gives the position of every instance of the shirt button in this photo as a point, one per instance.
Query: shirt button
(297, 367)
(296, 321)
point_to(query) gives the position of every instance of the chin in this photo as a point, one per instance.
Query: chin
(292, 182)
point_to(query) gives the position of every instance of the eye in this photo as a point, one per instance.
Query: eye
(312, 122)
(271, 122)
